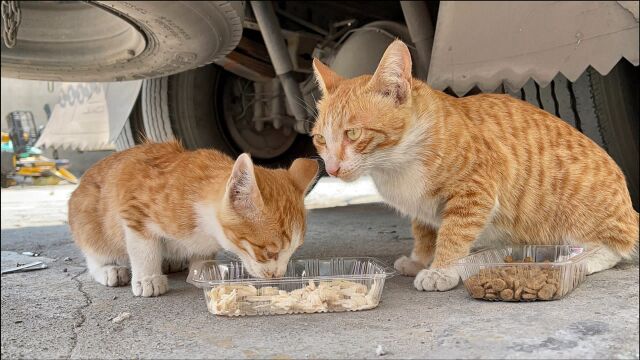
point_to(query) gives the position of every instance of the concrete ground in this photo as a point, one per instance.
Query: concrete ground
(59, 312)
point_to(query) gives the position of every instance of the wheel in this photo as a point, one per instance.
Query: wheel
(212, 108)
(605, 108)
(132, 132)
(119, 40)
(125, 139)
(615, 103)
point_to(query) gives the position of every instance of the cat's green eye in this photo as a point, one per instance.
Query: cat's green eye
(354, 134)
(319, 139)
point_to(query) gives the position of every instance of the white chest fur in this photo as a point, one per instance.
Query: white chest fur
(401, 180)
(405, 191)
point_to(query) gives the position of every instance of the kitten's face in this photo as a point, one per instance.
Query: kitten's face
(360, 119)
(265, 216)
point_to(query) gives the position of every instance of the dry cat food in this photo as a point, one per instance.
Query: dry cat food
(515, 283)
(336, 295)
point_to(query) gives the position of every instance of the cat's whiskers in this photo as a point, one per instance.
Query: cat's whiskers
(310, 108)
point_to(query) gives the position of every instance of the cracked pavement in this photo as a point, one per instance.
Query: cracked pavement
(60, 312)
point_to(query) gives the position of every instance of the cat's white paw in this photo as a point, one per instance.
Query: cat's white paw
(407, 267)
(111, 275)
(154, 285)
(603, 259)
(436, 279)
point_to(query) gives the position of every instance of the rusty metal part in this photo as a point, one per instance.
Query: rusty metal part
(249, 60)
(247, 67)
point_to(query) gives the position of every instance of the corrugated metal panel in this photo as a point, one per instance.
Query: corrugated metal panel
(486, 44)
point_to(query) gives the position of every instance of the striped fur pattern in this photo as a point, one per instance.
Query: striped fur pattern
(467, 170)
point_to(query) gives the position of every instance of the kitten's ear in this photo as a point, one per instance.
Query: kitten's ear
(326, 78)
(393, 75)
(242, 192)
(303, 172)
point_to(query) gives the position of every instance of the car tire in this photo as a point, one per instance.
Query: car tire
(615, 103)
(125, 139)
(120, 40)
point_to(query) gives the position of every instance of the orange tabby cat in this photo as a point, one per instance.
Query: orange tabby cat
(158, 202)
(481, 167)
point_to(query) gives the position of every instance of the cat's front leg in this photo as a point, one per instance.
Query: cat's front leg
(424, 245)
(145, 255)
(463, 219)
(174, 265)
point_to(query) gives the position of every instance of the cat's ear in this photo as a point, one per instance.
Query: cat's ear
(242, 192)
(393, 75)
(326, 78)
(303, 172)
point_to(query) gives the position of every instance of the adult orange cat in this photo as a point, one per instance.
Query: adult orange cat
(158, 202)
(485, 167)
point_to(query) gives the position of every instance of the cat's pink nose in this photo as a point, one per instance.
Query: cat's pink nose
(333, 169)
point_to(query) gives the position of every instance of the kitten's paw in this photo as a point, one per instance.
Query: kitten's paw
(154, 285)
(112, 275)
(436, 279)
(174, 265)
(407, 267)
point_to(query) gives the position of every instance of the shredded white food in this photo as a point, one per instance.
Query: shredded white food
(337, 295)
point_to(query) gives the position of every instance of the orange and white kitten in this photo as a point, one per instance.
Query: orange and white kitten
(466, 169)
(158, 202)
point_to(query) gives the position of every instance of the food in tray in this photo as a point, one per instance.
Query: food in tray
(335, 295)
(515, 283)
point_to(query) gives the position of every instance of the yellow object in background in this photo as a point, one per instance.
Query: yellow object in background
(42, 170)
(65, 174)
(29, 171)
